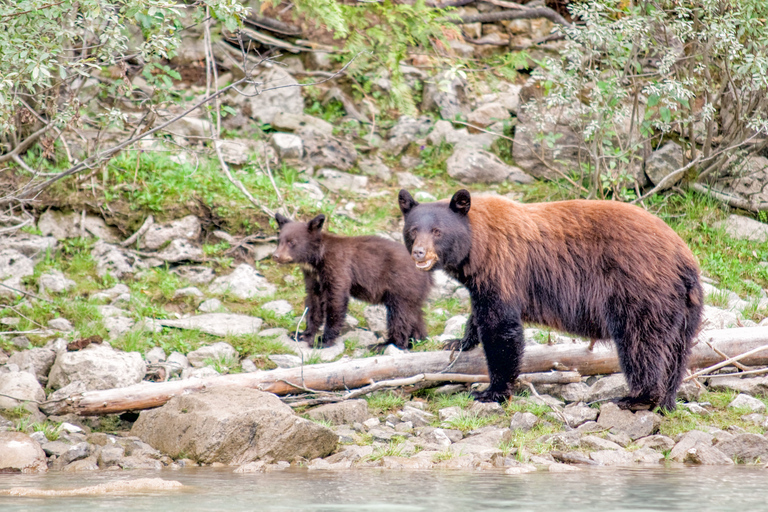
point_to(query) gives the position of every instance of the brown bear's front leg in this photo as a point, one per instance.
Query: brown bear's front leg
(501, 333)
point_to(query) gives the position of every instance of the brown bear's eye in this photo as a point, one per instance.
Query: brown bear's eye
(436, 232)
(291, 243)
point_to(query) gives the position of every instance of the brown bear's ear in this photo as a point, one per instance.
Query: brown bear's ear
(407, 202)
(460, 202)
(282, 220)
(316, 224)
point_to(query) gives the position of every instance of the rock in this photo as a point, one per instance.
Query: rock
(454, 326)
(14, 266)
(288, 145)
(404, 132)
(687, 441)
(634, 424)
(647, 456)
(301, 122)
(342, 413)
(112, 260)
(744, 228)
(278, 307)
(375, 168)
(479, 166)
(361, 338)
(445, 132)
(238, 151)
(177, 360)
(509, 96)
(198, 373)
(248, 366)
(376, 318)
(37, 361)
(210, 306)
(60, 324)
(408, 180)
(446, 414)
(155, 355)
(111, 456)
(112, 293)
(656, 442)
(22, 386)
(523, 421)
(55, 282)
(447, 94)
(117, 325)
(97, 366)
(218, 324)
(186, 228)
(31, 246)
(336, 181)
(20, 342)
(705, 454)
(189, 291)
(557, 151)
(415, 416)
(191, 127)
(264, 106)
(487, 114)
(436, 436)
(244, 283)
(195, 275)
(743, 401)
(578, 414)
(749, 179)
(663, 162)
(321, 151)
(233, 426)
(744, 385)
(20, 453)
(598, 443)
(285, 360)
(180, 250)
(747, 448)
(217, 352)
(443, 286)
(613, 457)
(716, 318)
(608, 388)
(62, 225)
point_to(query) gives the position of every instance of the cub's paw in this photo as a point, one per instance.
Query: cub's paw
(491, 395)
(458, 344)
(307, 337)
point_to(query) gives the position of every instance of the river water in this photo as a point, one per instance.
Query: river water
(696, 489)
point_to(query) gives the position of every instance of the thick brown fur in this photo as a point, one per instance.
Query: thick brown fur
(598, 269)
(368, 268)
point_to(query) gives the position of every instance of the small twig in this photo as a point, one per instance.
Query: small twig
(737, 374)
(668, 179)
(725, 363)
(302, 388)
(143, 229)
(514, 14)
(724, 356)
(24, 293)
(9, 333)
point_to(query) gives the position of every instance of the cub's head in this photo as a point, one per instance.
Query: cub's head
(437, 234)
(298, 242)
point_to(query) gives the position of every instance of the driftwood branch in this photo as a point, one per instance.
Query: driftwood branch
(357, 373)
(730, 200)
(513, 14)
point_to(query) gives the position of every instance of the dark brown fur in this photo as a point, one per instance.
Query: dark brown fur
(368, 268)
(598, 269)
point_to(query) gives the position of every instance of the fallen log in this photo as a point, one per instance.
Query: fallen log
(357, 373)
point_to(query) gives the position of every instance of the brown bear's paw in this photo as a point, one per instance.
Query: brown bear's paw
(458, 344)
(491, 395)
(629, 403)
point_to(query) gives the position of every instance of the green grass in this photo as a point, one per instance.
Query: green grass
(393, 449)
(524, 405)
(462, 400)
(51, 430)
(443, 456)
(384, 402)
(467, 421)
(719, 416)
(718, 299)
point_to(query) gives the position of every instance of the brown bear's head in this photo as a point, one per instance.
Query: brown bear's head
(299, 242)
(437, 234)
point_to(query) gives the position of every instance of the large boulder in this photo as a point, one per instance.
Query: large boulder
(749, 179)
(745, 447)
(634, 424)
(218, 324)
(186, 228)
(233, 426)
(37, 361)
(13, 267)
(470, 165)
(62, 225)
(663, 162)
(217, 352)
(744, 228)
(244, 283)
(21, 453)
(348, 412)
(98, 366)
(322, 151)
(543, 157)
(24, 389)
(265, 105)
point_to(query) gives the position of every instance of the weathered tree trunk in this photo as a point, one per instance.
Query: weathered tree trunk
(356, 373)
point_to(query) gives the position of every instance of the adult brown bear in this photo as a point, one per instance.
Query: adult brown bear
(369, 268)
(599, 269)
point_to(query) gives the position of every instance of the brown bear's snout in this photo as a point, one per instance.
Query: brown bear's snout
(423, 254)
(281, 256)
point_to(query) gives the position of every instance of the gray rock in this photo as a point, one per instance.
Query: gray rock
(436, 436)
(112, 293)
(191, 127)
(479, 166)
(578, 414)
(20, 342)
(337, 181)
(285, 360)
(664, 161)
(454, 326)
(613, 457)
(194, 274)
(321, 151)
(408, 180)
(190, 291)
(264, 106)
(417, 417)
(112, 260)
(404, 132)
(155, 355)
(608, 388)
(535, 156)
(300, 122)
(634, 424)
(210, 306)
(443, 286)
(445, 132)
(248, 366)
(180, 250)
(524, 421)
(743, 401)
(117, 325)
(37, 361)
(177, 360)
(62, 225)
(716, 318)
(342, 413)
(198, 373)
(361, 337)
(18, 452)
(647, 456)
(239, 151)
(31, 246)
(656, 442)
(376, 318)
(509, 96)
(217, 352)
(598, 443)
(97, 366)
(55, 282)
(706, 454)
(111, 456)
(745, 385)
(748, 179)
(447, 94)
(745, 448)
(288, 145)
(278, 307)
(744, 228)
(446, 414)
(486, 409)
(75, 452)
(233, 426)
(14, 265)
(687, 441)
(24, 389)
(244, 283)
(60, 324)
(485, 115)
(375, 168)
(186, 228)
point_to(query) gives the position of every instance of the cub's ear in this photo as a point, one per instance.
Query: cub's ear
(406, 201)
(460, 202)
(316, 224)
(282, 220)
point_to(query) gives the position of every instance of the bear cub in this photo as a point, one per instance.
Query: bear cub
(368, 268)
